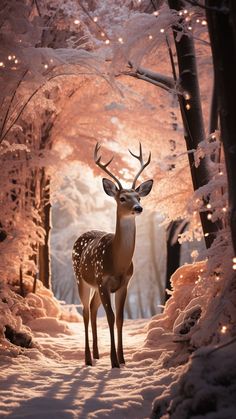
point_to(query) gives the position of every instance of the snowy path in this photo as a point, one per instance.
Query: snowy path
(56, 384)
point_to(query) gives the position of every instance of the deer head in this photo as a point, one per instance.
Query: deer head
(128, 200)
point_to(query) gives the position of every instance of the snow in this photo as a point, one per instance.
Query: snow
(52, 379)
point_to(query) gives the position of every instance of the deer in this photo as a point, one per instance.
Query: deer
(102, 261)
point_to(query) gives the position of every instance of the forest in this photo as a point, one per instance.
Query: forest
(88, 87)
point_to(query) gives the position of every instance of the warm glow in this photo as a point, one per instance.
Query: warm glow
(223, 329)
(162, 30)
(204, 22)
(234, 259)
(1, 64)
(198, 20)
(186, 96)
(107, 42)
(206, 234)
(156, 13)
(9, 57)
(120, 40)
(46, 66)
(95, 19)
(224, 209)
(150, 37)
(234, 266)
(76, 22)
(189, 28)
(209, 216)
(185, 11)
(102, 34)
(221, 173)
(208, 206)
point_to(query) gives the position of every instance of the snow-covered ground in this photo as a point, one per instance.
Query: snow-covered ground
(55, 383)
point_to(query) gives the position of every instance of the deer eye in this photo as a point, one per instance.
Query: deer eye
(122, 199)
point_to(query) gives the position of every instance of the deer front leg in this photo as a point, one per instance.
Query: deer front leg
(84, 293)
(94, 305)
(106, 302)
(120, 297)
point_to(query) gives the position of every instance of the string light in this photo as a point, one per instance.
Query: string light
(76, 22)
(120, 40)
(190, 28)
(46, 66)
(102, 34)
(156, 13)
(9, 57)
(204, 22)
(234, 259)
(206, 234)
(185, 11)
(220, 173)
(208, 206)
(150, 37)
(217, 277)
(198, 20)
(16, 61)
(107, 42)
(209, 216)
(2, 64)
(186, 96)
(180, 13)
(95, 19)
(224, 209)
(234, 266)
(162, 30)
(223, 329)
(188, 106)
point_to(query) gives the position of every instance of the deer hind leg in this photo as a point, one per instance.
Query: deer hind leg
(120, 297)
(106, 302)
(84, 293)
(94, 305)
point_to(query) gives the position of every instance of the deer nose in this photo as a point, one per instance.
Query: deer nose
(138, 208)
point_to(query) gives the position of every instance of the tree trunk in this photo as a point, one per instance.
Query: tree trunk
(192, 115)
(173, 251)
(222, 31)
(44, 255)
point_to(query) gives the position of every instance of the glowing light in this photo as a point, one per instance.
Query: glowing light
(194, 212)
(120, 40)
(190, 28)
(234, 266)
(221, 173)
(1, 64)
(187, 19)
(186, 96)
(206, 234)
(180, 13)
(188, 106)
(234, 259)
(198, 20)
(156, 13)
(209, 216)
(46, 66)
(224, 209)
(204, 22)
(9, 57)
(76, 21)
(208, 205)
(185, 11)
(16, 61)
(162, 30)
(217, 277)
(107, 42)
(95, 19)
(51, 60)
(102, 34)
(150, 37)
(181, 276)
(223, 329)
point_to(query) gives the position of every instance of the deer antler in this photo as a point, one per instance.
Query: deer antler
(97, 160)
(143, 165)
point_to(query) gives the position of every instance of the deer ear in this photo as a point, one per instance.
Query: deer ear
(109, 187)
(145, 188)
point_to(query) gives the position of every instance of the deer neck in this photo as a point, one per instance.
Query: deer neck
(123, 243)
